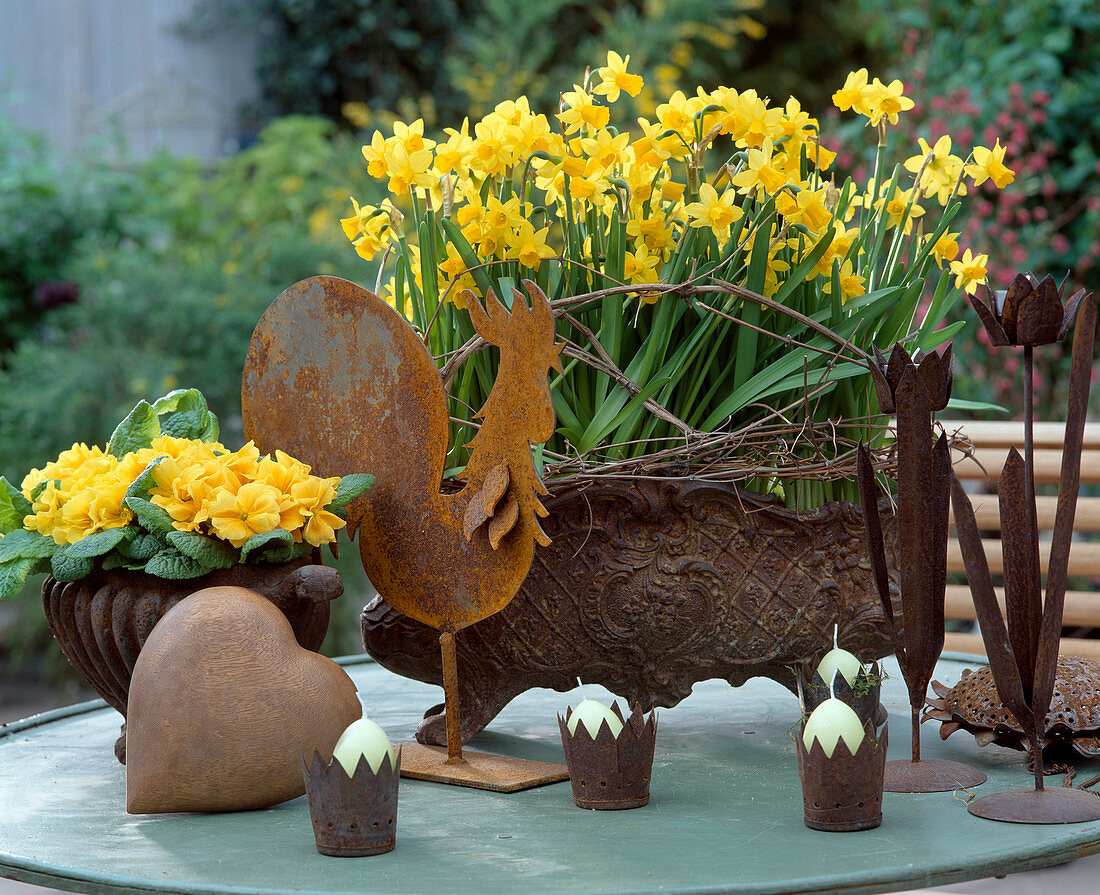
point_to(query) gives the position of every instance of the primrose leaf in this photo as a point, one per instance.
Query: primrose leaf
(140, 486)
(23, 544)
(151, 517)
(14, 507)
(283, 554)
(184, 414)
(68, 567)
(102, 542)
(143, 547)
(135, 432)
(278, 537)
(13, 575)
(211, 552)
(174, 565)
(350, 487)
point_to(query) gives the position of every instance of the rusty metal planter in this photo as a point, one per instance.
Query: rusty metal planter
(649, 586)
(103, 620)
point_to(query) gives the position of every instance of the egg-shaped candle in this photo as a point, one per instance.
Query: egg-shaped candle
(593, 714)
(841, 660)
(363, 738)
(831, 722)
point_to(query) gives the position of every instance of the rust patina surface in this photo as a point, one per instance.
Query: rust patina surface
(339, 379)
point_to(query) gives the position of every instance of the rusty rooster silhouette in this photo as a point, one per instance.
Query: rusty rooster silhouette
(337, 378)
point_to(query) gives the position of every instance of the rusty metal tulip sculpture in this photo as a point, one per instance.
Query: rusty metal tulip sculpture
(1023, 654)
(915, 388)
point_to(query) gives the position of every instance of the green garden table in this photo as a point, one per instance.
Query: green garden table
(725, 814)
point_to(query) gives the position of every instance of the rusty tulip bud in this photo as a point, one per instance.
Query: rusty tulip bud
(936, 372)
(1030, 312)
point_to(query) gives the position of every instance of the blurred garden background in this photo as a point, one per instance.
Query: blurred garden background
(137, 251)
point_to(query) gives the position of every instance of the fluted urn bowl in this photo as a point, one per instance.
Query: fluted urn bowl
(103, 620)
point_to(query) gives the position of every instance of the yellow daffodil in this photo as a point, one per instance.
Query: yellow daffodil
(375, 156)
(715, 211)
(853, 94)
(886, 101)
(455, 154)
(946, 248)
(580, 111)
(970, 271)
(941, 170)
(643, 266)
(851, 284)
(529, 247)
(615, 78)
(989, 165)
(762, 175)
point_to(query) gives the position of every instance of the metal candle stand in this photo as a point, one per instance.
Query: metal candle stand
(843, 793)
(915, 391)
(1023, 654)
(610, 773)
(352, 816)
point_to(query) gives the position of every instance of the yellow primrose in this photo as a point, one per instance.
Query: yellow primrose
(615, 78)
(313, 496)
(254, 509)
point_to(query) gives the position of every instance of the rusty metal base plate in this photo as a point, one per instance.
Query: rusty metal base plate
(933, 775)
(497, 773)
(1057, 805)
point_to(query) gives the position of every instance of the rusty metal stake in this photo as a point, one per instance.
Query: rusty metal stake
(450, 697)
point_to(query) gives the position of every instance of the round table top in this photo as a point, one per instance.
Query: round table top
(725, 813)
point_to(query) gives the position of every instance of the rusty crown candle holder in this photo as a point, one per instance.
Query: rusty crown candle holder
(352, 816)
(843, 793)
(610, 773)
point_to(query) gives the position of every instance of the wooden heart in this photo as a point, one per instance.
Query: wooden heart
(223, 701)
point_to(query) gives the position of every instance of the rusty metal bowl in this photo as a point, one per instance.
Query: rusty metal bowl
(649, 586)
